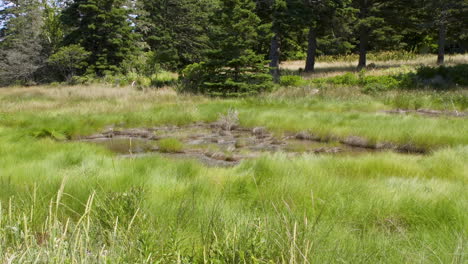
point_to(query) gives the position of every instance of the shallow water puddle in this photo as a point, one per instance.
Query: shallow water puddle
(213, 144)
(126, 145)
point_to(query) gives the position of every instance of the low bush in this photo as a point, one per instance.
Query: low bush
(374, 84)
(143, 81)
(140, 80)
(291, 80)
(215, 80)
(369, 84)
(163, 79)
(439, 78)
(84, 79)
(192, 77)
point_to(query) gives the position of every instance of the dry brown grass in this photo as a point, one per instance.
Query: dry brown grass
(330, 69)
(95, 91)
(83, 99)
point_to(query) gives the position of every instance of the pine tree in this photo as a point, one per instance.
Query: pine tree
(20, 42)
(319, 17)
(283, 19)
(52, 30)
(175, 30)
(375, 21)
(279, 14)
(102, 27)
(232, 68)
(367, 20)
(442, 15)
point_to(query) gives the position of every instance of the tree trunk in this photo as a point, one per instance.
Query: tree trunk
(363, 42)
(442, 37)
(311, 50)
(275, 58)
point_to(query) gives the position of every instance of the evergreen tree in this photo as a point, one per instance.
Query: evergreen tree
(319, 16)
(69, 60)
(372, 22)
(20, 42)
(279, 13)
(232, 68)
(442, 15)
(103, 28)
(175, 30)
(53, 29)
(282, 18)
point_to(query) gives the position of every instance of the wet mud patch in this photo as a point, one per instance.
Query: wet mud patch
(218, 144)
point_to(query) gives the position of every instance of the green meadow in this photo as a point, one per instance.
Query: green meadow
(65, 201)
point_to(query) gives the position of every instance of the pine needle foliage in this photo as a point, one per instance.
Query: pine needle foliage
(233, 68)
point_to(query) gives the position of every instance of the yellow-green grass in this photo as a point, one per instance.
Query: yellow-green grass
(79, 202)
(170, 145)
(75, 202)
(70, 112)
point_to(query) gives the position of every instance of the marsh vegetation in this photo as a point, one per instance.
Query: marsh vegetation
(292, 176)
(233, 131)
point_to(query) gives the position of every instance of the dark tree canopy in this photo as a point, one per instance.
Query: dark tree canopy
(20, 47)
(175, 29)
(233, 67)
(101, 27)
(230, 43)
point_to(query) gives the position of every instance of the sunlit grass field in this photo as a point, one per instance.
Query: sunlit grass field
(72, 202)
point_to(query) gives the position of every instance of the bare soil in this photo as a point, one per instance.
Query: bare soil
(215, 144)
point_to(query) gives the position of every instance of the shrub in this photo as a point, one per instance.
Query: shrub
(291, 80)
(460, 101)
(70, 60)
(374, 84)
(216, 80)
(143, 63)
(439, 78)
(346, 79)
(456, 75)
(85, 79)
(143, 81)
(170, 145)
(163, 79)
(369, 83)
(193, 76)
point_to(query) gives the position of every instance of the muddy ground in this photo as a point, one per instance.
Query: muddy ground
(218, 144)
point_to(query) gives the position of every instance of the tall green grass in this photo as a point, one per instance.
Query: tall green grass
(438, 78)
(71, 202)
(79, 203)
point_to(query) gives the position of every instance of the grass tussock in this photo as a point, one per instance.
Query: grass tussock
(170, 145)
